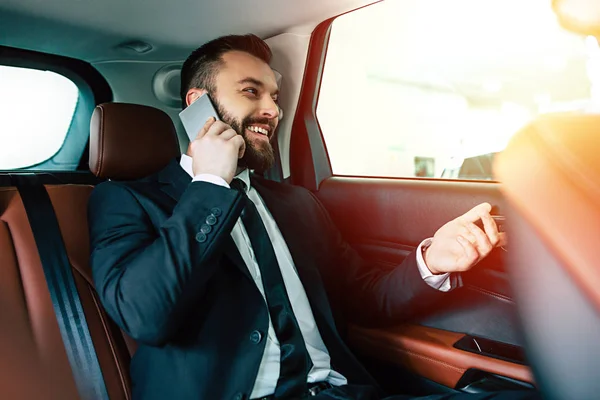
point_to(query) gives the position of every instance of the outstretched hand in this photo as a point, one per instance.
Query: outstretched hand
(460, 244)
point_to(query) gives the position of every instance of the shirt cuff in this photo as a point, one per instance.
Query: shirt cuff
(442, 282)
(210, 178)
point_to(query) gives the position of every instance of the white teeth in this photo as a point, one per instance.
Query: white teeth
(258, 130)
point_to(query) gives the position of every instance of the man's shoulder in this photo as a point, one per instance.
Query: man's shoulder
(131, 185)
(124, 187)
(146, 181)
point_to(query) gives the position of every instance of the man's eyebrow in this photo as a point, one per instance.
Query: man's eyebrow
(255, 82)
(252, 81)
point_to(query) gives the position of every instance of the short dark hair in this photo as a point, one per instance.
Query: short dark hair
(199, 69)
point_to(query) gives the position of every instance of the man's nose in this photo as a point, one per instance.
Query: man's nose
(269, 108)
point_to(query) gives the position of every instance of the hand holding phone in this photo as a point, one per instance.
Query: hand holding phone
(214, 146)
(216, 150)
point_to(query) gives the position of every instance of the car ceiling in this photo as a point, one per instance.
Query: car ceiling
(93, 30)
(487, 52)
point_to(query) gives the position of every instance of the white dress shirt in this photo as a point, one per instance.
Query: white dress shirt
(268, 372)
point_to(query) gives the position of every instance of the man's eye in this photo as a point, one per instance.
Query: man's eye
(251, 91)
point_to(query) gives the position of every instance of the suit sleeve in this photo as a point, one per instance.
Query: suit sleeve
(148, 277)
(371, 295)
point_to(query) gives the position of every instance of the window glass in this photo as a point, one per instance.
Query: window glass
(436, 88)
(36, 110)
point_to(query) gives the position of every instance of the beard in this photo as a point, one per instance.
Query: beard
(259, 154)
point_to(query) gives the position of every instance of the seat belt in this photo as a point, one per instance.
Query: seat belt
(61, 285)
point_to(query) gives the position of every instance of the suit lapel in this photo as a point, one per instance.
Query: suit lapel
(281, 210)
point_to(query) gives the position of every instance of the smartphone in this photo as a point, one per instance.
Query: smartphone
(196, 114)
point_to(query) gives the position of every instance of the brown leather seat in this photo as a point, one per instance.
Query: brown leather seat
(23, 287)
(551, 179)
(127, 142)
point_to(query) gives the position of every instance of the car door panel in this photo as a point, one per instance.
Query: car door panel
(430, 353)
(385, 220)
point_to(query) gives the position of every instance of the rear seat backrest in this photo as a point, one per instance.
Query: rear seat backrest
(127, 141)
(23, 288)
(130, 141)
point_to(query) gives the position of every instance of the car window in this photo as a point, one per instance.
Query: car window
(422, 88)
(36, 111)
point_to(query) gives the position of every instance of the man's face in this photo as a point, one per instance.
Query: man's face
(246, 98)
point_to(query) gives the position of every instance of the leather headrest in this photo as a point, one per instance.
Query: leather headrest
(550, 173)
(129, 141)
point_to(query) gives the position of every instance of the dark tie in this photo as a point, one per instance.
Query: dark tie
(295, 360)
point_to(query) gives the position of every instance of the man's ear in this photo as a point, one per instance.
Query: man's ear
(193, 94)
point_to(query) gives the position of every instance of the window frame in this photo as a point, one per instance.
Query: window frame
(93, 90)
(310, 163)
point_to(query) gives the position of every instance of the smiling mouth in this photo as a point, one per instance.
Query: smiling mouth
(258, 130)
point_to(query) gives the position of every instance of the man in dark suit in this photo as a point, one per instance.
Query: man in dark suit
(236, 287)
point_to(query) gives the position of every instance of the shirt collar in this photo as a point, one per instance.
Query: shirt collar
(186, 164)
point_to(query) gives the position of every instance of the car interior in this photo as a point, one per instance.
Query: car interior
(386, 105)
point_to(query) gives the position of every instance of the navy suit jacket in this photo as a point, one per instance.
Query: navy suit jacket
(189, 301)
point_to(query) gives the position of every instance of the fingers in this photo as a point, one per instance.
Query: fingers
(482, 212)
(466, 233)
(482, 242)
(477, 212)
(205, 128)
(240, 143)
(475, 243)
(228, 134)
(471, 256)
(491, 229)
(217, 128)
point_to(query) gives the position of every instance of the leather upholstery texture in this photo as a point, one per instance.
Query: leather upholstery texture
(129, 141)
(23, 289)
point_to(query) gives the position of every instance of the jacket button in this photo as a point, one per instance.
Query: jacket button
(211, 220)
(205, 229)
(238, 396)
(216, 211)
(200, 237)
(255, 337)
